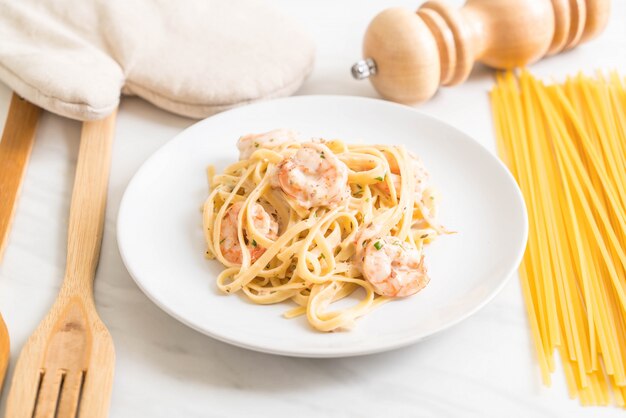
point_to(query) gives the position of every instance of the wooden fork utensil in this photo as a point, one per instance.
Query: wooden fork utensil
(66, 367)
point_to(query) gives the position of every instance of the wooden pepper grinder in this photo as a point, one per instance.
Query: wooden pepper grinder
(408, 55)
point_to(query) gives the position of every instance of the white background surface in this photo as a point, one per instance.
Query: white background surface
(485, 366)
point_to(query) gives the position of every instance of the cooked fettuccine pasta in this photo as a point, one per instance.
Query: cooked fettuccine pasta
(315, 221)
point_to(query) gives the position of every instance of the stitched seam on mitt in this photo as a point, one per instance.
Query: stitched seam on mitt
(298, 79)
(13, 74)
(161, 96)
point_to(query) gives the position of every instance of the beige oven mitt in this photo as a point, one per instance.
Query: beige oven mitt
(191, 57)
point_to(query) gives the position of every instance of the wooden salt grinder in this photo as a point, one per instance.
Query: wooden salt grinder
(409, 55)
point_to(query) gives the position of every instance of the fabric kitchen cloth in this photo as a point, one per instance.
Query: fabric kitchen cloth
(191, 57)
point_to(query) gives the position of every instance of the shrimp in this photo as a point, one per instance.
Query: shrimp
(394, 268)
(229, 242)
(314, 176)
(247, 144)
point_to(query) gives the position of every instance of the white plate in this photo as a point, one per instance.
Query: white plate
(161, 241)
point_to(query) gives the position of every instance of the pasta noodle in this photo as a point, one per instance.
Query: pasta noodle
(565, 144)
(279, 243)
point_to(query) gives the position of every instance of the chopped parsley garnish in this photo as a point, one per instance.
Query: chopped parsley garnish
(378, 178)
(378, 245)
(322, 155)
(424, 236)
(323, 256)
(254, 243)
(223, 239)
(364, 243)
(256, 145)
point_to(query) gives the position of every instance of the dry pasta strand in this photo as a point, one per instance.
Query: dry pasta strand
(566, 146)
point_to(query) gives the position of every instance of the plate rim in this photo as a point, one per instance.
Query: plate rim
(331, 352)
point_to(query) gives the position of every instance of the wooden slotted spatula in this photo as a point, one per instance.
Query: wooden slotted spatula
(66, 367)
(15, 147)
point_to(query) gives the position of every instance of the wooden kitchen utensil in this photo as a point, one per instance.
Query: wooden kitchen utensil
(66, 367)
(15, 147)
(17, 142)
(408, 55)
(5, 351)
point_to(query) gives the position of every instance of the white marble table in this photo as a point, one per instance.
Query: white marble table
(484, 366)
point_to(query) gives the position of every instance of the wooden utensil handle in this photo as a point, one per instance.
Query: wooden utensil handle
(5, 350)
(15, 148)
(88, 204)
